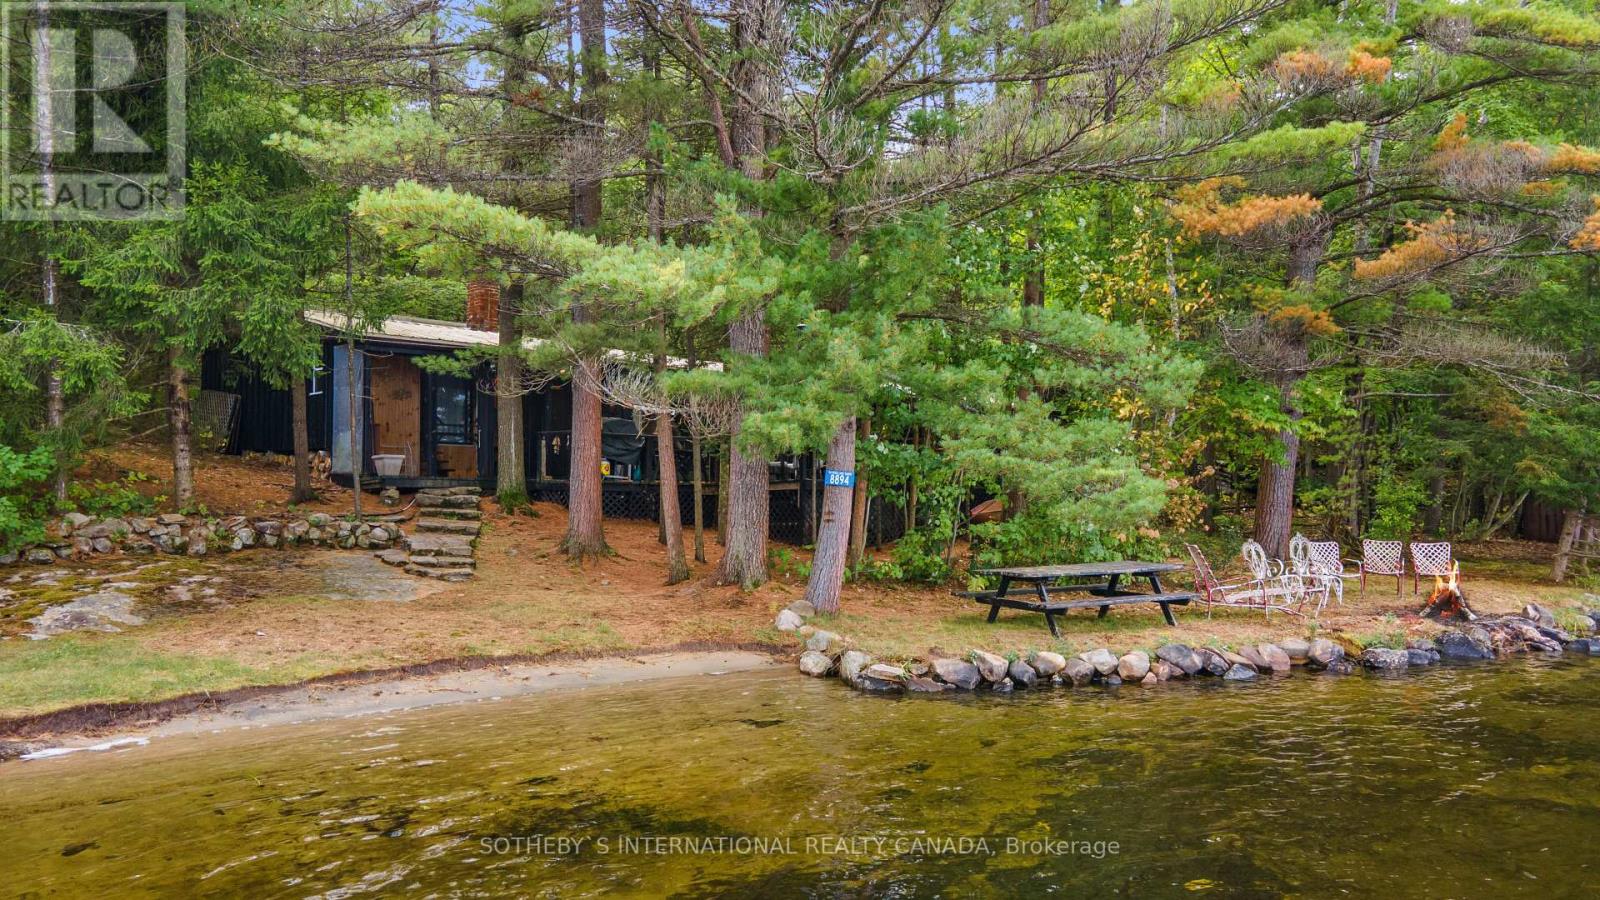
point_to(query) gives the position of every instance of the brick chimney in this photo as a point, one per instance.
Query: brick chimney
(483, 305)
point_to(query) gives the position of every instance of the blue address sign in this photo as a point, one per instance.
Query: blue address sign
(836, 478)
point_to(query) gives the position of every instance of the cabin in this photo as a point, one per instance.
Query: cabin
(423, 429)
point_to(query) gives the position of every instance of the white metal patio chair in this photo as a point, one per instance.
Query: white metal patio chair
(1430, 559)
(1382, 558)
(1268, 593)
(1320, 569)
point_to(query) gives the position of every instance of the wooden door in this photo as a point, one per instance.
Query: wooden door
(397, 409)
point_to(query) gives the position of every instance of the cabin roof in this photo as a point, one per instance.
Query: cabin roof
(434, 333)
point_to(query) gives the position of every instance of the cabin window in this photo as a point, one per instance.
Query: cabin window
(452, 410)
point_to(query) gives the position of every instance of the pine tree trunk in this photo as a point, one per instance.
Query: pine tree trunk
(353, 423)
(745, 561)
(671, 516)
(55, 393)
(1569, 535)
(585, 509)
(178, 418)
(301, 426)
(511, 476)
(699, 501)
(585, 517)
(1275, 496)
(828, 563)
(1275, 491)
(722, 493)
(858, 501)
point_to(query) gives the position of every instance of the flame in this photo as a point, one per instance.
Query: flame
(1453, 585)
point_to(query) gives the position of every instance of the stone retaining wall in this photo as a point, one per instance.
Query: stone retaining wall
(84, 536)
(827, 654)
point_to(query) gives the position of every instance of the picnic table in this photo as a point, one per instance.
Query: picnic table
(1031, 589)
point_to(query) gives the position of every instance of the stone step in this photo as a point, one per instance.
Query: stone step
(393, 557)
(443, 562)
(431, 500)
(448, 512)
(439, 545)
(450, 526)
(441, 574)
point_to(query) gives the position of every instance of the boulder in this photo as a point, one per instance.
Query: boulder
(1022, 674)
(1238, 659)
(104, 528)
(1103, 660)
(269, 526)
(1462, 644)
(1539, 614)
(379, 535)
(1253, 656)
(788, 621)
(40, 556)
(921, 684)
(802, 608)
(1165, 671)
(231, 523)
(1277, 660)
(1421, 657)
(172, 519)
(101, 545)
(389, 496)
(245, 537)
(1322, 653)
(73, 520)
(140, 524)
(1212, 662)
(1003, 686)
(1340, 666)
(872, 684)
(138, 547)
(885, 672)
(1590, 646)
(1149, 678)
(815, 663)
(1385, 660)
(993, 668)
(1239, 672)
(318, 520)
(851, 662)
(1078, 672)
(9, 559)
(1180, 657)
(956, 672)
(1134, 666)
(1298, 650)
(823, 642)
(1112, 680)
(1046, 663)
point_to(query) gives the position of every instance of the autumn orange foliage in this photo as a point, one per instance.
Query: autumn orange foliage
(1571, 159)
(1454, 135)
(1202, 211)
(1588, 238)
(1431, 244)
(1367, 67)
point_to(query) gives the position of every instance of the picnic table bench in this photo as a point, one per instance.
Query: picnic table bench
(1038, 583)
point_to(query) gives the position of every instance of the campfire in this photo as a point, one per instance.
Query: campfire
(1447, 603)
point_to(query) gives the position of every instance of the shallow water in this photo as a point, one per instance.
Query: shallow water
(1450, 782)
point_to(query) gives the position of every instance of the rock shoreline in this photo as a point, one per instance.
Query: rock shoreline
(827, 654)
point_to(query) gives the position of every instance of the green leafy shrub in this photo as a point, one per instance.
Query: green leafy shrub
(114, 498)
(23, 505)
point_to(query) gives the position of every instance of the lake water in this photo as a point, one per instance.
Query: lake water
(1449, 782)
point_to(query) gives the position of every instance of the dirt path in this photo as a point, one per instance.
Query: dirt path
(314, 702)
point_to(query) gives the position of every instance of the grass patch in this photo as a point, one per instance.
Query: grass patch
(37, 676)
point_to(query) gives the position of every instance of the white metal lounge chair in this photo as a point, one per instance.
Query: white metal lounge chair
(1267, 593)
